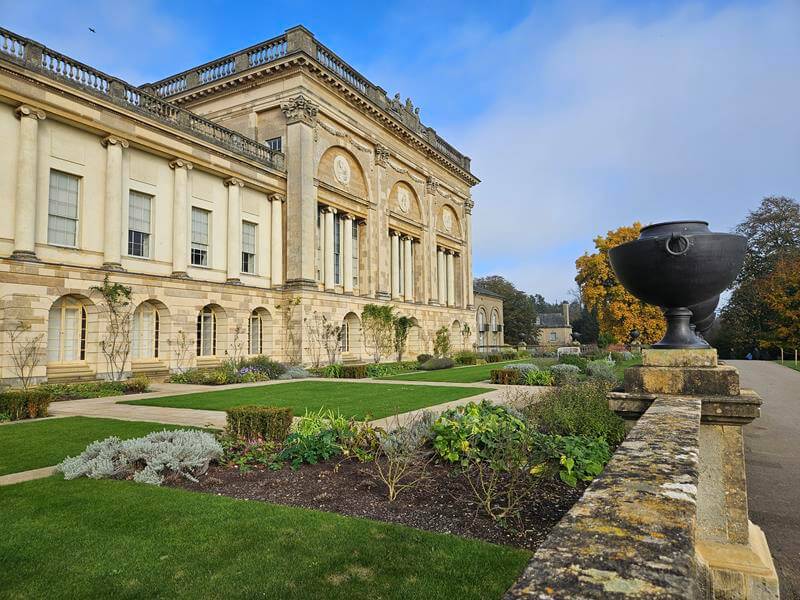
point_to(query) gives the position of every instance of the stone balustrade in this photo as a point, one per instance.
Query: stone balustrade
(298, 39)
(52, 64)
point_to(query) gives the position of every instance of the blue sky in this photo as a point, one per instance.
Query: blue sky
(579, 116)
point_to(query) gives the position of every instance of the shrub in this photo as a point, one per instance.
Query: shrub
(260, 422)
(244, 454)
(603, 371)
(402, 456)
(395, 368)
(523, 367)
(354, 371)
(578, 409)
(464, 432)
(435, 364)
(294, 373)
(465, 357)
(441, 341)
(84, 389)
(565, 374)
(264, 365)
(523, 354)
(335, 371)
(423, 358)
(506, 376)
(25, 404)
(146, 459)
(493, 357)
(509, 354)
(136, 385)
(538, 378)
(204, 377)
(574, 359)
(310, 448)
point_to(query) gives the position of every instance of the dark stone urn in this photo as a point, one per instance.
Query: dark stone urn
(678, 265)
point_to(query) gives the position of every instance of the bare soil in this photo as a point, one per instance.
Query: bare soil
(443, 502)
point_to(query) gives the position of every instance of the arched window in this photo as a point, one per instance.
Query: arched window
(207, 332)
(66, 331)
(146, 330)
(256, 334)
(481, 327)
(344, 337)
(494, 321)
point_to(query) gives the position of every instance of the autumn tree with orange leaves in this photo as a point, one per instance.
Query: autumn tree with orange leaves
(618, 311)
(781, 293)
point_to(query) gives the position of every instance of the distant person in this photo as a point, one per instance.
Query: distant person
(749, 356)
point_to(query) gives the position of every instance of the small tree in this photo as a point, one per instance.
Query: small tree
(26, 352)
(237, 345)
(466, 331)
(377, 323)
(291, 348)
(117, 307)
(180, 348)
(314, 335)
(441, 344)
(331, 339)
(402, 326)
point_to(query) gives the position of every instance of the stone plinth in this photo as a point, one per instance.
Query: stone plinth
(687, 380)
(679, 358)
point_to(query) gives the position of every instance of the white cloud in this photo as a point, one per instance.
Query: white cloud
(690, 115)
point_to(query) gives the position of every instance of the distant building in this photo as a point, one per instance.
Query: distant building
(554, 328)
(489, 320)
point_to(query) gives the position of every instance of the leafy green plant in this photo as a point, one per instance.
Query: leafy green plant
(423, 358)
(538, 378)
(136, 385)
(578, 458)
(335, 371)
(505, 376)
(509, 355)
(263, 364)
(465, 357)
(245, 454)
(395, 368)
(573, 359)
(402, 327)
(377, 325)
(310, 448)
(603, 371)
(577, 409)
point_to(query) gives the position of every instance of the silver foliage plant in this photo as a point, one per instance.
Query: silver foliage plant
(184, 452)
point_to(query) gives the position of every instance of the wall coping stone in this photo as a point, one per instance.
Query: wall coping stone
(632, 533)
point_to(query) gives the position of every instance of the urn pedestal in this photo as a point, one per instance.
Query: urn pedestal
(733, 558)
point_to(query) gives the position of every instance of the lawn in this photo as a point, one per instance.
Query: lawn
(35, 444)
(620, 367)
(351, 399)
(790, 363)
(119, 539)
(465, 374)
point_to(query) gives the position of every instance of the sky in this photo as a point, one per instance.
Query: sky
(579, 115)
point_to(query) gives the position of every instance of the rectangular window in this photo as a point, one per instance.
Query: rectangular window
(274, 144)
(337, 247)
(200, 237)
(320, 246)
(248, 247)
(553, 336)
(62, 218)
(355, 254)
(139, 224)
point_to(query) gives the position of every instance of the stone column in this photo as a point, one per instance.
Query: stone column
(266, 264)
(27, 176)
(431, 251)
(276, 270)
(234, 229)
(451, 289)
(408, 283)
(468, 205)
(441, 277)
(330, 282)
(112, 217)
(301, 202)
(347, 242)
(180, 216)
(395, 265)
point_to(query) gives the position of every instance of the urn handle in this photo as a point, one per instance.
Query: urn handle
(677, 245)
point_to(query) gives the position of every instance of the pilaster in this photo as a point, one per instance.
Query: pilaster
(112, 218)
(180, 216)
(347, 254)
(27, 176)
(234, 240)
(276, 241)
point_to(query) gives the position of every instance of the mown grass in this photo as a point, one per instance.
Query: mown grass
(357, 400)
(118, 539)
(34, 444)
(472, 374)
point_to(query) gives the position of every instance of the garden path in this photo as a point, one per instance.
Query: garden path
(773, 464)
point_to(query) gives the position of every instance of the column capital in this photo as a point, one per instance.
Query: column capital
(432, 185)
(469, 204)
(112, 140)
(232, 181)
(347, 216)
(300, 110)
(277, 198)
(180, 163)
(24, 110)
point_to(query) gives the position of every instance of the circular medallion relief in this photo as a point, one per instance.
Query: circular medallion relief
(341, 169)
(403, 199)
(447, 220)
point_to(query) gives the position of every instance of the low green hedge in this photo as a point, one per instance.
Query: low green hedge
(423, 358)
(506, 376)
(354, 372)
(436, 364)
(465, 357)
(24, 404)
(260, 422)
(95, 389)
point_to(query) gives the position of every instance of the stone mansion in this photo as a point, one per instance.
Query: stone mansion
(240, 197)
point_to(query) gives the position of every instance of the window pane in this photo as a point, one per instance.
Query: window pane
(61, 231)
(199, 255)
(139, 212)
(199, 226)
(63, 195)
(255, 334)
(138, 243)
(248, 237)
(355, 255)
(337, 243)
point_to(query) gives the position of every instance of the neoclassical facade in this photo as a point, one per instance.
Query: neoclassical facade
(239, 200)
